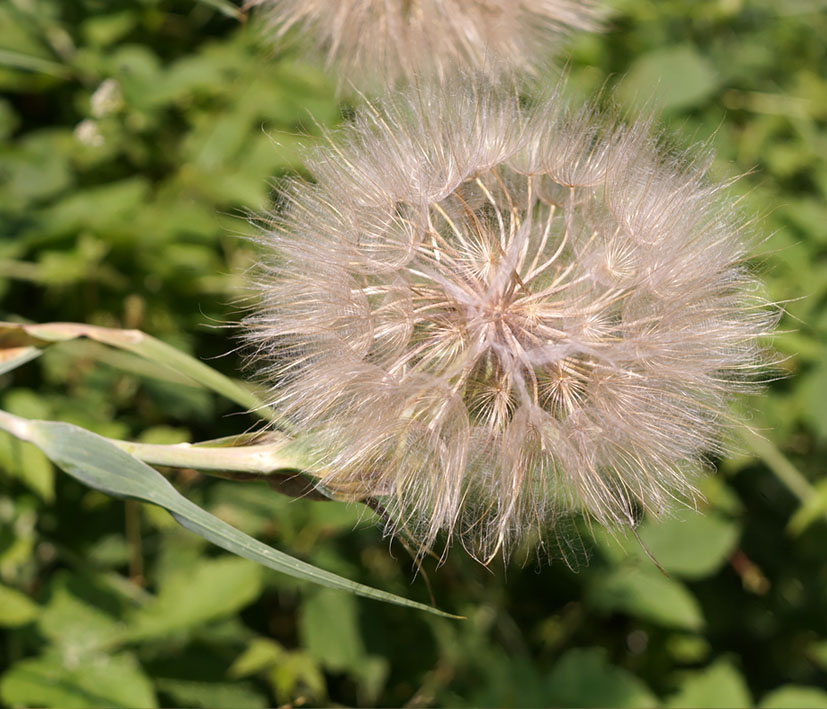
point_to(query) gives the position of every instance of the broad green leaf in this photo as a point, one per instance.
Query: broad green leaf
(792, 696)
(688, 649)
(104, 29)
(719, 686)
(74, 618)
(16, 335)
(101, 465)
(671, 77)
(28, 464)
(818, 653)
(691, 544)
(100, 209)
(213, 695)
(29, 62)
(297, 676)
(583, 677)
(645, 593)
(214, 588)
(329, 629)
(260, 654)
(36, 169)
(55, 680)
(16, 608)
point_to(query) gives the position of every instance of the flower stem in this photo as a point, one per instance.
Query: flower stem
(261, 459)
(275, 462)
(784, 470)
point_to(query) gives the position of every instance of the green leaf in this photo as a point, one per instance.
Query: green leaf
(818, 653)
(35, 169)
(719, 686)
(74, 617)
(814, 508)
(691, 544)
(673, 78)
(105, 29)
(792, 696)
(29, 62)
(643, 592)
(213, 695)
(224, 7)
(298, 676)
(583, 677)
(329, 629)
(15, 335)
(28, 464)
(814, 393)
(101, 465)
(16, 608)
(110, 207)
(260, 654)
(14, 357)
(212, 589)
(55, 680)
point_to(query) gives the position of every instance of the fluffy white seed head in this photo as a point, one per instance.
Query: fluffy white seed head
(489, 317)
(392, 39)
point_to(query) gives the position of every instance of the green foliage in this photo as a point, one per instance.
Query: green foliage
(134, 139)
(719, 685)
(583, 677)
(792, 697)
(103, 466)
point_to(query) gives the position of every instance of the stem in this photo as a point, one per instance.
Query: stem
(262, 462)
(132, 515)
(262, 458)
(786, 472)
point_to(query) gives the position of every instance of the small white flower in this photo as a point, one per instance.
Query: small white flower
(106, 99)
(88, 132)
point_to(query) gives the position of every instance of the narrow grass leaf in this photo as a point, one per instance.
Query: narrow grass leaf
(103, 466)
(17, 336)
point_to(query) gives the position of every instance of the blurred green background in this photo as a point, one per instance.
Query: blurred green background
(135, 137)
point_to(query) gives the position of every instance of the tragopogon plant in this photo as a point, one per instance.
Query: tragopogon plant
(488, 317)
(391, 39)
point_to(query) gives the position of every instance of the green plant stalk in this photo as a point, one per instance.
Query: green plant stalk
(784, 470)
(260, 459)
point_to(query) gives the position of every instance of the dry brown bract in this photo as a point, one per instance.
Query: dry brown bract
(489, 317)
(389, 39)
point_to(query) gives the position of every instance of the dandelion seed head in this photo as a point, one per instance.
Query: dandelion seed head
(491, 317)
(393, 39)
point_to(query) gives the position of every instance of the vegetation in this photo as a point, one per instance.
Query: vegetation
(135, 138)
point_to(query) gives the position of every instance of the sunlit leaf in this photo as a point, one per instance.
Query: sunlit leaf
(691, 544)
(212, 695)
(329, 630)
(16, 335)
(644, 592)
(14, 357)
(212, 589)
(719, 686)
(54, 680)
(105, 467)
(224, 7)
(15, 608)
(671, 78)
(792, 696)
(583, 677)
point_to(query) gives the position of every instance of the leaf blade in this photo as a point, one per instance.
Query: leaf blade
(101, 465)
(18, 335)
